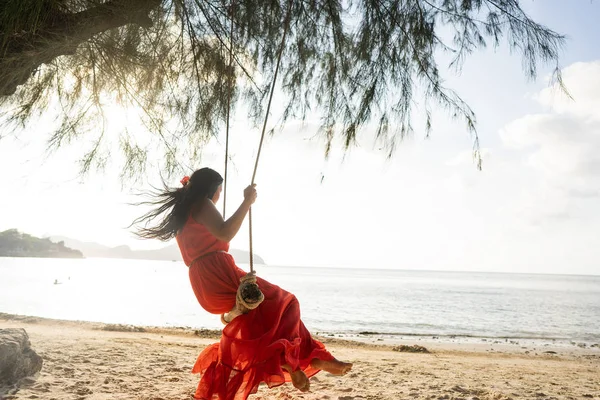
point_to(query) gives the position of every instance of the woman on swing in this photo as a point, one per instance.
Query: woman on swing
(266, 344)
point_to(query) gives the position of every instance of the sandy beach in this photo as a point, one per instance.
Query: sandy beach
(84, 360)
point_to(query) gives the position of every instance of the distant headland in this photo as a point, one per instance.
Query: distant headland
(167, 253)
(16, 244)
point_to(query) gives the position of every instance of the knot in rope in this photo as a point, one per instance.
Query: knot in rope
(248, 294)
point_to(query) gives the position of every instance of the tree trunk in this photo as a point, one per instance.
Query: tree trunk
(62, 34)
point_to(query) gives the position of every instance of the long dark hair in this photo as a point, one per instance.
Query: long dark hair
(177, 204)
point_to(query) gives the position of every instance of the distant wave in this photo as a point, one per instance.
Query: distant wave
(589, 338)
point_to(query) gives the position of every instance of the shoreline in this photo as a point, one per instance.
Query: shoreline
(383, 341)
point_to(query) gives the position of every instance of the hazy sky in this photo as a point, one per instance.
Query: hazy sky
(534, 208)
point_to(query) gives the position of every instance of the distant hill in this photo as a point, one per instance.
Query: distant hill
(168, 253)
(16, 244)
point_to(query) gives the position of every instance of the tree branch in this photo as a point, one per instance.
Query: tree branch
(61, 36)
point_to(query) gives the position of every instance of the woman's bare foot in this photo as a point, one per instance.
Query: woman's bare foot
(299, 379)
(335, 367)
(235, 312)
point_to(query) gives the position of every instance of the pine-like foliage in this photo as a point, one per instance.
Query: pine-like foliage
(352, 63)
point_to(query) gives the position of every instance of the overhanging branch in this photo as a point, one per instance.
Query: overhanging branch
(25, 53)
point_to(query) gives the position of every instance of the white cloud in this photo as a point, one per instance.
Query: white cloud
(583, 83)
(467, 158)
(562, 147)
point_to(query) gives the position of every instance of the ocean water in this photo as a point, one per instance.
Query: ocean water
(338, 301)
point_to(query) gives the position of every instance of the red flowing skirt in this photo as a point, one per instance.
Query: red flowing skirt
(255, 345)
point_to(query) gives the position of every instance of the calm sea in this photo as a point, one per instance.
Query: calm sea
(340, 301)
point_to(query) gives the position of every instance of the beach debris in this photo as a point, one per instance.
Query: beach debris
(415, 348)
(122, 328)
(17, 359)
(459, 389)
(550, 352)
(207, 333)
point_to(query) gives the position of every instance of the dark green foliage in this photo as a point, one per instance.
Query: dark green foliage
(353, 63)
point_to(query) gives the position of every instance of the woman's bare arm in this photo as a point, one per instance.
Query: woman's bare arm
(209, 216)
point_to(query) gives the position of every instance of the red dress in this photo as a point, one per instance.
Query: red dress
(253, 346)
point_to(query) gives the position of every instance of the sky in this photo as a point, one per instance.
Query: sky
(534, 208)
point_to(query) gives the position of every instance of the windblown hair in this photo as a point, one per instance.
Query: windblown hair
(173, 206)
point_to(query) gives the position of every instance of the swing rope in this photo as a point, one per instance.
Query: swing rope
(262, 136)
(229, 92)
(248, 295)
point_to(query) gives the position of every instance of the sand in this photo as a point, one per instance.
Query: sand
(83, 360)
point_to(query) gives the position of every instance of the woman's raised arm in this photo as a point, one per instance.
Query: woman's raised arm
(209, 216)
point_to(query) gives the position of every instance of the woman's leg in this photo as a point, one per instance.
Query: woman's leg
(299, 378)
(335, 367)
(332, 365)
